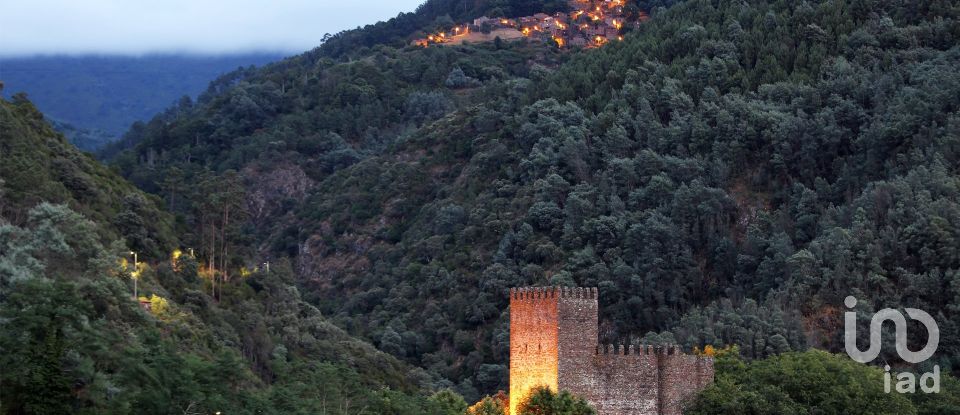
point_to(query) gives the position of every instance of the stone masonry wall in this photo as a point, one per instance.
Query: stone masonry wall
(681, 377)
(623, 381)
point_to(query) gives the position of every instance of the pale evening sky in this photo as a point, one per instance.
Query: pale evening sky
(181, 26)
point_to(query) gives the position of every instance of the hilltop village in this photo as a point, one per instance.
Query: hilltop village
(590, 23)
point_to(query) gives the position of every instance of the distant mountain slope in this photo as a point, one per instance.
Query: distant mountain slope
(85, 139)
(109, 93)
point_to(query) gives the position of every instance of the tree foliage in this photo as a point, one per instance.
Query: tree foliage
(812, 382)
(543, 401)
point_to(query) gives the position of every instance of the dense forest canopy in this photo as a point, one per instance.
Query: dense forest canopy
(798, 382)
(38, 165)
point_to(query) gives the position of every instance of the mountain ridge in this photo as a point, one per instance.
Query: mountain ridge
(108, 93)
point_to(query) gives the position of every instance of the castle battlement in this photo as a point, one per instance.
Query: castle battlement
(554, 343)
(640, 349)
(536, 293)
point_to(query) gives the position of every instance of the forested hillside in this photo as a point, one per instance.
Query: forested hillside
(75, 339)
(37, 164)
(726, 175)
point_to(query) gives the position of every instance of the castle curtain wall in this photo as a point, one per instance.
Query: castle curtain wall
(619, 381)
(553, 343)
(681, 377)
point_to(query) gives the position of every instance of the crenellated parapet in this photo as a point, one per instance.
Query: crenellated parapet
(641, 349)
(536, 293)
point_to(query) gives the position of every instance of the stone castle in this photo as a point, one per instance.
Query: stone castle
(554, 343)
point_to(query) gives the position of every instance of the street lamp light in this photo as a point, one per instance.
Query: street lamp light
(134, 274)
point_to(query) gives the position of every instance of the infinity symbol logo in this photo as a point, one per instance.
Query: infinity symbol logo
(850, 333)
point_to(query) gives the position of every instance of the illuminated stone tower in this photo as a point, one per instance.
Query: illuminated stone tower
(553, 343)
(550, 328)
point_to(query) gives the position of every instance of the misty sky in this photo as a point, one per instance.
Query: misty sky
(174, 26)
